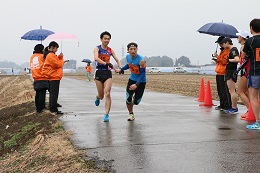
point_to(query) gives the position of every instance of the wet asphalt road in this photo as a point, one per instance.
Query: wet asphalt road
(171, 133)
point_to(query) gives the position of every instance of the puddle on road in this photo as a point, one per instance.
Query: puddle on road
(96, 163)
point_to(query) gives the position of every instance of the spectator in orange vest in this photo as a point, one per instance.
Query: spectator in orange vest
(53, 70)
(40, 81)
(222, 88)
(88, 71)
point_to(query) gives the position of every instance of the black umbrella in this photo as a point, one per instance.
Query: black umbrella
(86, 61)
(219, 29)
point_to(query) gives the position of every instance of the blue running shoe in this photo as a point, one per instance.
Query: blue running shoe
(232, 111)
(106, 118)
(254, 126)
(97, 102)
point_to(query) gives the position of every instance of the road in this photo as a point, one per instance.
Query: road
(171, 133)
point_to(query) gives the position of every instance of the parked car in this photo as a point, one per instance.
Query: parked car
(178, 70)
(154, 70)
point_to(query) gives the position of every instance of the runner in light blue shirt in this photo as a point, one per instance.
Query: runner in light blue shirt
(137, 80)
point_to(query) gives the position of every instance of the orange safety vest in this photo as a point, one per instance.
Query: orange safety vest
(53, 67)
(222, 61)
(89, 69)
(36, 65)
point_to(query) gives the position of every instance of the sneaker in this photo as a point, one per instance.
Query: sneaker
(106, 118)
(131, 117)
(59, 113)
(59, 105)
(254, 126)
(97, 102)
(232, 111)
(218, 107)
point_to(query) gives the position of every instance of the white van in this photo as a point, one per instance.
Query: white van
(178, 70)
(154, 70)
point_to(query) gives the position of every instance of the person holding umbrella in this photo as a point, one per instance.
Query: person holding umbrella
(103, 75)
(252, 51)
(88, 71)
(222, 89)
(40, 83)
(52, 69)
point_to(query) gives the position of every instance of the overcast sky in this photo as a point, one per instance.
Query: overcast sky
(159, 27)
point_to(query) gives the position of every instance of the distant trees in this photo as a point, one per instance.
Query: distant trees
(156, 61)
(8, 64)
(183, 61)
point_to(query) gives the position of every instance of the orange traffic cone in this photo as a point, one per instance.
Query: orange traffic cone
(208, 96)
(202, 91)
(250, 116)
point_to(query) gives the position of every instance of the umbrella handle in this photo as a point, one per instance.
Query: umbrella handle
(215, 51)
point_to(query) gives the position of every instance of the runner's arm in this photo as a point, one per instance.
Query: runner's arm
(142, 72)
(125, 67)
(116, 59)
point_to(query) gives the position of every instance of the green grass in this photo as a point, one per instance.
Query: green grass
(16, 137)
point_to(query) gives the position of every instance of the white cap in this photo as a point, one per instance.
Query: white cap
(243, 34)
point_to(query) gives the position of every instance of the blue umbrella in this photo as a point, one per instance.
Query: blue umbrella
(37, 34)
(219, 29)
(86, 60)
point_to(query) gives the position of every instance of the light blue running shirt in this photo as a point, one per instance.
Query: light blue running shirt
(134, 67)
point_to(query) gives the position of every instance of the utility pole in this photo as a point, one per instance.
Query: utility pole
(123, 52)
(123, 61)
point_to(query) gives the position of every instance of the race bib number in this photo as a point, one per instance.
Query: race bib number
(257, 54)
(104, 57)
(134, 69)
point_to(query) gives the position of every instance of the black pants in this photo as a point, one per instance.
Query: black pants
(54, 94)
(40, 99)
(223, 92)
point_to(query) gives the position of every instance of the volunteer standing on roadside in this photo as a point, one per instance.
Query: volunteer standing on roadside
(40, 83)
(53, 70)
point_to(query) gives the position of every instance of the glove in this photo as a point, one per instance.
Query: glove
(110, 65)
(235, 73)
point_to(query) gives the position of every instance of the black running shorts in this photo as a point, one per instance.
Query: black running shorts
(229, 75)
(103, 75)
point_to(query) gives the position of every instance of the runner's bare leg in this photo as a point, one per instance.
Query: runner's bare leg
(107, 90)
(100, 89)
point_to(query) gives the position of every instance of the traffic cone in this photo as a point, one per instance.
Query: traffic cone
(202, 91)
(208, 96)
(250, 115)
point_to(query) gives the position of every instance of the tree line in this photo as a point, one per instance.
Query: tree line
(164, 61)
(154, 61)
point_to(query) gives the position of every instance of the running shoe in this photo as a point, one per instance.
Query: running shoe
(106, 118)
(254, 126)
(97, 101)
(131, 117)
(232, 111)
